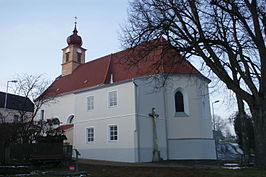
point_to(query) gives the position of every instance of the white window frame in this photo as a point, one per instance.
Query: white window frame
(87, 135)
(109, 133)
(91, 106)
(109, 99)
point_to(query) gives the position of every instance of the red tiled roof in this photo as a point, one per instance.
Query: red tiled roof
(63, 127)
(121, 66)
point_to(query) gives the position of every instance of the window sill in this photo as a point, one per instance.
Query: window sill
(112, 106)
(181, 114)
(112, 141)
(91, 142)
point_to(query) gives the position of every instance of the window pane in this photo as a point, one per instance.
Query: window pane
(90, 103)
(90, 134)
(113, 132)
(179, 102)
(112, 98)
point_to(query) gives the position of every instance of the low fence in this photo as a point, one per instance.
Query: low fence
(28, 152)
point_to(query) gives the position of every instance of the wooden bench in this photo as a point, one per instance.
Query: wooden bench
(47, 159)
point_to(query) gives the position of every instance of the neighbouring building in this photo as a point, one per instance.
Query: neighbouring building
(108, 102)
(15, 107)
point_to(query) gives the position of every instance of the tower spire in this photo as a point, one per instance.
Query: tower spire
(75, 29)
(73, 54)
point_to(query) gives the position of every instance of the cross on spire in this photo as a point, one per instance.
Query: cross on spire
(76, 20)
(75, 29)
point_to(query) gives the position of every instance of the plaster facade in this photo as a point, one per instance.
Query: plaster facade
(185, 135)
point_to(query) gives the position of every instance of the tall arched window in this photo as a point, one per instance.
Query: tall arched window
(70, 119)
(179, 102)
(79, 57)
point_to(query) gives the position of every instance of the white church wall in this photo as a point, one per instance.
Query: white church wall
(147, 98)
(196, 123)
(122, 115)
(189, 133)
(191, 149)
(187, 136)
(61, 107)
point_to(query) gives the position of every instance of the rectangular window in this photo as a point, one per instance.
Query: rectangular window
(15, 118)
(90, 103)
(90, 134)
(113, 133)
(112, 98)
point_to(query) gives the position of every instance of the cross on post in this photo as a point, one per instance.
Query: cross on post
(156, 153)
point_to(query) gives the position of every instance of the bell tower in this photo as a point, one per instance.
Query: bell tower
(73, 54)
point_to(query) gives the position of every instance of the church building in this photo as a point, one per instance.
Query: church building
(121, 110)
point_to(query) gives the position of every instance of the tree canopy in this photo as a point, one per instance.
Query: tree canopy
(228, 35)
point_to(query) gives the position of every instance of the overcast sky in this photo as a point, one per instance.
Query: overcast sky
(33, 32)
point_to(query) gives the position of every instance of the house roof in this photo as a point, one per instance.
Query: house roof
(121, 66)
(16, 102)
(63, 127)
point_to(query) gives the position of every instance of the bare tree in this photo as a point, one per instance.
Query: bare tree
(31, 86)
(228, 35)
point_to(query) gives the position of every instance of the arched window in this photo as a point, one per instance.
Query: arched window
(67, 57)
(70, 119)
(179, 102)
(79, 57)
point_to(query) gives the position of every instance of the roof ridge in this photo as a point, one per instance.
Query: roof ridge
(15, 95)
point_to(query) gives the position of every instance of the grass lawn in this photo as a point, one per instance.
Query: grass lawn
(99, 170)
(131, 171)
(111, 171)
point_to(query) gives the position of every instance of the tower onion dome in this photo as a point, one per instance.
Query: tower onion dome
(74, 39)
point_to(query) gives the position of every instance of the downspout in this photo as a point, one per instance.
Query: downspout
(166, 124)
(136, 118)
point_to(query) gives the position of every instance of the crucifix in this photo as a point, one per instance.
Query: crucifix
(156, 153)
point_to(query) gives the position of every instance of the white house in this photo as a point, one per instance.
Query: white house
(14, 107)
(109, 101)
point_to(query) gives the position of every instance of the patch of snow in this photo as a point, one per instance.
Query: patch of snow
(231, 164)
(232, 168)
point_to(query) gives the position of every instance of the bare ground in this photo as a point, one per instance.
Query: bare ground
(166, 169)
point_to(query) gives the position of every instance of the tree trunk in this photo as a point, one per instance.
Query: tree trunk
(259, 114)
(243, 128)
